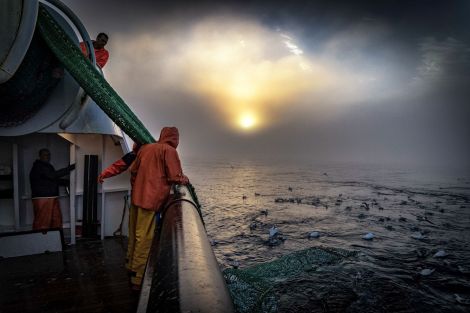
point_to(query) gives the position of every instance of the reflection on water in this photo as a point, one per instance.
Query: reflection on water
(413, 215)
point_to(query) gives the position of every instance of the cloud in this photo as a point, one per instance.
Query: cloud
(446, 59)
(242, 69)
(321, 82)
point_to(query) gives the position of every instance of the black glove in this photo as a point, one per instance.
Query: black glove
(71, 167)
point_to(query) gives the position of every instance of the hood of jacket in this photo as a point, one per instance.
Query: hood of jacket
(170, 135)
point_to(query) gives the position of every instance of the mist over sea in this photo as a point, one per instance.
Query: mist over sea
(413, 213)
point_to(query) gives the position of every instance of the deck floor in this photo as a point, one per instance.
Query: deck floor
(87, 277)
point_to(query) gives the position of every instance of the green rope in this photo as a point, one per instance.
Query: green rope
(90, 79)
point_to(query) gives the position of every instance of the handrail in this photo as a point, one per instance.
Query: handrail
(78, 24)
(182, 273)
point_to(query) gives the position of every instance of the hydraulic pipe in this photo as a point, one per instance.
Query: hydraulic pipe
(182, 273)
(78, 24)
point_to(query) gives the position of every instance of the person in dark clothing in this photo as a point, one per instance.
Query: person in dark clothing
(45, 181)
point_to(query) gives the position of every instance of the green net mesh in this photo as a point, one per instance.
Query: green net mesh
(252, 289)
(90, 79)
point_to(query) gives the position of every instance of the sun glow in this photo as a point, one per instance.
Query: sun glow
(245, 72)
(247, 121)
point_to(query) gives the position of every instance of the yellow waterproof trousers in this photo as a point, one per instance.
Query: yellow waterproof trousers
(141, 231)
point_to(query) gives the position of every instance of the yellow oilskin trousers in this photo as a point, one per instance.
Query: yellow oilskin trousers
(141, 231)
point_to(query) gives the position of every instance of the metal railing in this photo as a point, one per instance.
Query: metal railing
(182, 273)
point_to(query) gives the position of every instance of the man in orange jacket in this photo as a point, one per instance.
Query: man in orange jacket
(101, 54)
(155, 169)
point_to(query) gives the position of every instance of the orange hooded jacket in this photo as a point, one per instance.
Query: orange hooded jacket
(155, 169)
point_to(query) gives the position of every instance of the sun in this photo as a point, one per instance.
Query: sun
(247, 121)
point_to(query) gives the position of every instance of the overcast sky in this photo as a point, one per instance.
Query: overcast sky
(371, 81)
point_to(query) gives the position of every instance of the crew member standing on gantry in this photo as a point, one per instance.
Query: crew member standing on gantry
(155, 169)
(101, 54)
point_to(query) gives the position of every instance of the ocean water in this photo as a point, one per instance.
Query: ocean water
(412, 212)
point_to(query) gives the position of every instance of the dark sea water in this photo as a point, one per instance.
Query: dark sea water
(393, 272)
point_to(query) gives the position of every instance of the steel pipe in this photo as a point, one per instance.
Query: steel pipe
(182, 273)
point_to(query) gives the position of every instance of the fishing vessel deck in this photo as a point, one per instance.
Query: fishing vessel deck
(86, 277)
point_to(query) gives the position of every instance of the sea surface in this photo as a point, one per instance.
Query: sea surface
(413, 213)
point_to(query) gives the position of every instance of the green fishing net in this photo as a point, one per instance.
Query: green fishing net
(252, 289)
(90, 79)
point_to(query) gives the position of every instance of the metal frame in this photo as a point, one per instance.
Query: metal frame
(103, 190)
(72, 196)
(62, 8)
(16, 191)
